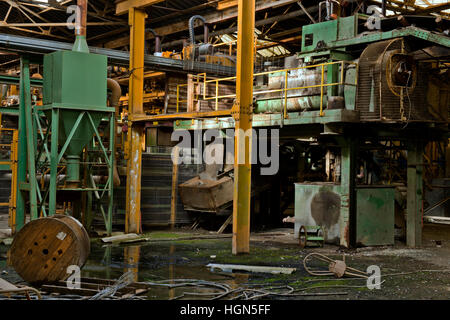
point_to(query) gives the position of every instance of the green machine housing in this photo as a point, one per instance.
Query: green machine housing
(75, 82)
(381, 59)
(69, 73)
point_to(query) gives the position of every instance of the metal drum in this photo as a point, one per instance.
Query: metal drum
(44, 248)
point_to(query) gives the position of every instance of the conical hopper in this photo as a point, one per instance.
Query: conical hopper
(81, 136)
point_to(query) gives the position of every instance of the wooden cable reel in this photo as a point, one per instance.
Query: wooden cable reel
(44, 248)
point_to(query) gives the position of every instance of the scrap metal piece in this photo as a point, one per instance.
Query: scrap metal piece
(260, 269)
(7, 288)
(335, 267)
(311, 236)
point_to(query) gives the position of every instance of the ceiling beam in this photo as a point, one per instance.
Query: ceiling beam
(225, 4)
(202, 6)
(259, 23)
(434, 8)
(211, 18)
(123, 6)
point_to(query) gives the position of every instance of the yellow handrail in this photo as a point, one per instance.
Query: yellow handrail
(285, 90)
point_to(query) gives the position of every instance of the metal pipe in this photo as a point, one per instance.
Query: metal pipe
(80, 29)
(157, 40)
(36, 46)
(80, 44)
(191, 29)
(383, 8)
(116, 93)
(61, 177)
(330, 9)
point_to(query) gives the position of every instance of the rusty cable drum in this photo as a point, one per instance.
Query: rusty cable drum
(44, 248)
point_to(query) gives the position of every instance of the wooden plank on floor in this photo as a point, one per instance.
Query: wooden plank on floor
(225, 224)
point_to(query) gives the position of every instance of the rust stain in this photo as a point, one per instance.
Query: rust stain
(325, 208)
(347, 235)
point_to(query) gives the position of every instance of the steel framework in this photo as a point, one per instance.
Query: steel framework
(41, 160)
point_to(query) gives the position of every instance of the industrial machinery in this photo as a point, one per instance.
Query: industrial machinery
(66, 151)
(205, 52)
(385, 78)
(366, 94)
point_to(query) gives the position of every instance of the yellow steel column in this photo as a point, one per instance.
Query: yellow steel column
(131, 256)
(135, 135)
(242, 111)
(13, 198)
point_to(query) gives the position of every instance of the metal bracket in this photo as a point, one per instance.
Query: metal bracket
(237, 109)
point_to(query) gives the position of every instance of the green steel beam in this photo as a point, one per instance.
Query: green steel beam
(31, 145)
(274, 120)
(347, 187)
(112, 133)
(22, 155)
(69, 137)
(397, 33)
(414, 194)
(53, 161)
(10, 110)
(6, 79)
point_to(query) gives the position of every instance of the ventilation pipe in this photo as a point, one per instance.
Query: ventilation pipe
(332, 9)
(80, 44)
(157, 41)
(116, 93)
(191, 29)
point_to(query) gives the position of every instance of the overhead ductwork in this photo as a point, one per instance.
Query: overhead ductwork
(191, 29)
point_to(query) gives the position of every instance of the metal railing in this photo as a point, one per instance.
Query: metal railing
(202, 79)
(11, 150)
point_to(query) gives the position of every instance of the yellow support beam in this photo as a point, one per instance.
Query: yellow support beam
(242, 113)
(136, 133)
(225, 4)
(125, 6)
(14, 165)
(131, 256)
(181, 116)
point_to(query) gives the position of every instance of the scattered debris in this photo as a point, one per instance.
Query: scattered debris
(150, 239)
(7, 241)
(243, 293)
(5, 233)
(437, 220)
(311, 236)
(225, 224)
(337, 268)
(123, 288)
(104, 233)
(7, 288)
(125, 280)
(262, 269)
(121, 238)
(289, 220)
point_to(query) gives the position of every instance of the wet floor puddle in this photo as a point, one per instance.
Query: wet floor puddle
(167, 262)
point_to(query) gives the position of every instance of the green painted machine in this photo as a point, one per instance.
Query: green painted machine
(373, 72)
(391, 69)
(354, 86)
(69, 139)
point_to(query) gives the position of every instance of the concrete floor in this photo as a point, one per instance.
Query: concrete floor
(5, 230)
(421, 273)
